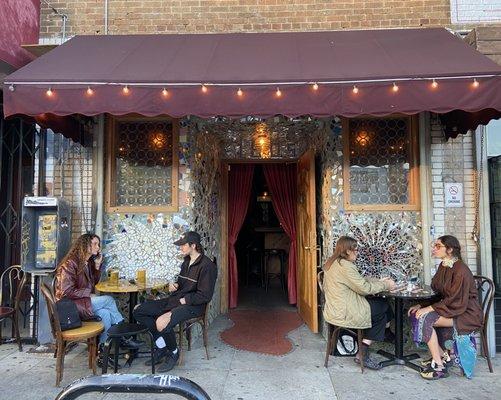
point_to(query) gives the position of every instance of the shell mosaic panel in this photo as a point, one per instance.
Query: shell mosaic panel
(389, 244)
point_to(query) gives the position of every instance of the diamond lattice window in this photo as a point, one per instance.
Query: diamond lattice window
(380, 169)
(142, 165)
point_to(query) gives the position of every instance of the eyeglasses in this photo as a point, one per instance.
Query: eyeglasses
(437, 245)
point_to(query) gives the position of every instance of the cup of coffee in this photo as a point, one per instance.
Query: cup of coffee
(141, 276)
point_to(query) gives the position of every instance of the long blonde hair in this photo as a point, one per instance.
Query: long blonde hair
(343, 244)
(79, 250)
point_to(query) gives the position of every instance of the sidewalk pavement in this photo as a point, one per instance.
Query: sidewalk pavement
(239, 375)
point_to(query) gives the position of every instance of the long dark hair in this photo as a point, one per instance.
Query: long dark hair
(451, 243)
(343, 244)
(79, 249)
(198, 248)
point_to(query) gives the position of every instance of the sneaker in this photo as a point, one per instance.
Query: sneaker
(169, 363)
(446, 359)
(434, 372)
(158, 356)
(369, 362)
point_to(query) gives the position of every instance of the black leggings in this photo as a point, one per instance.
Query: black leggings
(381, 314)
(148, 312)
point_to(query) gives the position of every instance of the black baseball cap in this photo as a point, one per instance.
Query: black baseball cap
(188, 237)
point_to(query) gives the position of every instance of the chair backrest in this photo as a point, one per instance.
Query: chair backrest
(485, 287)
(320, 280)
(10, 280)
(50, 299)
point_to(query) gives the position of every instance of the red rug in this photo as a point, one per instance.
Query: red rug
(261, 331)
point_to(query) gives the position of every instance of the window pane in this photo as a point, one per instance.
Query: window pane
(379, 161)
(143, 154)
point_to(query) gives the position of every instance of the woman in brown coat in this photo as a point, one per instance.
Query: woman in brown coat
(76, 278)
(459, 306)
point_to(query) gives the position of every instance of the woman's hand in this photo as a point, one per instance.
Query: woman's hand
(98, 261)
(423, 311)
(413, 309)
(390, 283)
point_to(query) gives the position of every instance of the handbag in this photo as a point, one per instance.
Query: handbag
(67, 311)
(346, 345)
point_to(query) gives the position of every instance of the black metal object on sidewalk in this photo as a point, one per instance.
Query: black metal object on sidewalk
(134, 383)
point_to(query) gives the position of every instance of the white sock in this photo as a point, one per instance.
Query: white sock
(174, 351)
(160, 342)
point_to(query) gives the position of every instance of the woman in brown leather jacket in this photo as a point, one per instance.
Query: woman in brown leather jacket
(76, 277)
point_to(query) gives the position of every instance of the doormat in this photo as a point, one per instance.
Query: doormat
(261, 331)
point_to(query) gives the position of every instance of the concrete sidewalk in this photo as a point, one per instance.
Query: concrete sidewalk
(240, 375)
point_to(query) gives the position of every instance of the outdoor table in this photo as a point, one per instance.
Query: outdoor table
(124, 286)
(400, 296)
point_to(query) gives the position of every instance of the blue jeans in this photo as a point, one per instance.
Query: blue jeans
(106, 308)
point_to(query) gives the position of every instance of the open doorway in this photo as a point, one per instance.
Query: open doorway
(262, 250)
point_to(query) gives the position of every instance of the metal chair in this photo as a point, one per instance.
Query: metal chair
(87, 333)
(11, 279)
(334, 331)
(485, 287)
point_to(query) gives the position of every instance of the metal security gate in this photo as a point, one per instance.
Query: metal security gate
(19, 142)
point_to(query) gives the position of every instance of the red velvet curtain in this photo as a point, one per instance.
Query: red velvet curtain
(240, 185)
(281, 180)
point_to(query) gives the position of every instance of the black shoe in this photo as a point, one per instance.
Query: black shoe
(158, 356)
(169, 363)
(130, 344)
(389, 336)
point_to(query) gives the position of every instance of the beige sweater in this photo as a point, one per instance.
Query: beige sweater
(345, 290)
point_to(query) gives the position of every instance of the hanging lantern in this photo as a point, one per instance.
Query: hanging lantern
(262, 142)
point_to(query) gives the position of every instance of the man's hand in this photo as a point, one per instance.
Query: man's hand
(182, 300)
(173, 287)
(163, 321)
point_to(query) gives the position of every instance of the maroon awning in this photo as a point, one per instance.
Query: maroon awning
(258, 64)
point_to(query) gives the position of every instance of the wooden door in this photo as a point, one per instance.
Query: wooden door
(307, 242)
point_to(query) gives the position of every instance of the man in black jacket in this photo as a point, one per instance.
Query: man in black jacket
(188, 297)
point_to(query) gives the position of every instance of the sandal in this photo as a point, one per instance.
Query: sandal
(434, 372)
(446, 359)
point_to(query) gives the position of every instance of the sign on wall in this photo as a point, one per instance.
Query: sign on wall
(453, 194)
(469, 11)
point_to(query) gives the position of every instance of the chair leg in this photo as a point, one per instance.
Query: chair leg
(331, 342)
(360, 336)
(188, 337)
(485, 347)
(180, 345)
(89, 352)
(105, 356)
(116, 352)
(152, 347)
(61, 350)
(206, 340)
(16, 330)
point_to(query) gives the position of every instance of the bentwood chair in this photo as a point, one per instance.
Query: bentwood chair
(87, 333)
(333, 331)
(485, 287)
(185, 328)
(9, 305)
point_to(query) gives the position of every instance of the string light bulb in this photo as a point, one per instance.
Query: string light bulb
(125, 89)
(434, 84)
(204, 88)
(355, 89)
(475, 83)
(165, 92)
(278, 92)
(49, 92)
(240, 93)
(395, 87)
(11, 87)
(315, 86)
(89, 91)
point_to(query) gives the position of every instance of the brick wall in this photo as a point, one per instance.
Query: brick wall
(453, 161)
(183, 16)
